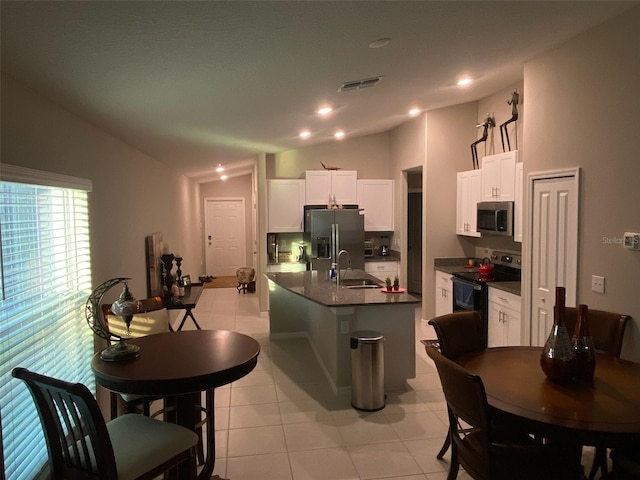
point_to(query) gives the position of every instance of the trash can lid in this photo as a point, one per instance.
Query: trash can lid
(367, 336)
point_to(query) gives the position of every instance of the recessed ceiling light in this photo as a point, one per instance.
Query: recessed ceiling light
(414, 111)
(305, 134)
(464, 81)
(325, 110)
(219, 168)
(379, 43)
(339, 134)
(223, 177)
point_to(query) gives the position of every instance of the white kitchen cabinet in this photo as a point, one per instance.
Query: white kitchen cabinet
(469, 185)
(444, 293)
(286, 205)
(321, 185)
(287, 267)
(499, 177)
(504, 322)
(375, 197)
(382, 270)
(518, 210)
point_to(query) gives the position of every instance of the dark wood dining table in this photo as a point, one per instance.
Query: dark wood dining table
(606, 412)
(179, 366)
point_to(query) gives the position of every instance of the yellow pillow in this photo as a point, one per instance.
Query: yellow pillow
(142, 324)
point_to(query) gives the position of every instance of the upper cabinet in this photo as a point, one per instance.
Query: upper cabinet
(498, 177)
(469, 184)
(323, 185)
(376, 198)
(286, 205)
(518, 210)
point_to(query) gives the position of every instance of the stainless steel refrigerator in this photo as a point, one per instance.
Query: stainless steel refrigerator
(329, 231)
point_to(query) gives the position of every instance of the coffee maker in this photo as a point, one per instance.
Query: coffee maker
(384, 246)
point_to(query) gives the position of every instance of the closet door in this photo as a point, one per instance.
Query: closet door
(554, 249)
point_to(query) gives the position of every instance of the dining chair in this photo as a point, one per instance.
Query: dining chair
(488, 451)
(154, 318)
(625, 463)
(607, 330)
(458, 333)
(81, 445)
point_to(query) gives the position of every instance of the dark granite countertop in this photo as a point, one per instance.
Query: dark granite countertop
(453, 265)
(511, 287)
(317, 287)
(392, 257)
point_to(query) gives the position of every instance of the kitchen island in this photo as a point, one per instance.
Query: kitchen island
(309, 304)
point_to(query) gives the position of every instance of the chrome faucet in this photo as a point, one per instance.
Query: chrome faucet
(338, 265)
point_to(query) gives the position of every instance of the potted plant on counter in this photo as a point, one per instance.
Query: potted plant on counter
(396, 283)
(387, 281)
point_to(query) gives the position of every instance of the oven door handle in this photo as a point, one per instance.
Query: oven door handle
(473, 285)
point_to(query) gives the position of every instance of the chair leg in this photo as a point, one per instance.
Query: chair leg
(599, 462)
(454, 466)
(445, 446)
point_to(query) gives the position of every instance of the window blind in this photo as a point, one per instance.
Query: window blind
(46, 279)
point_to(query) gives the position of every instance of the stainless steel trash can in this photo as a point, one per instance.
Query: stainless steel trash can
(367, 370)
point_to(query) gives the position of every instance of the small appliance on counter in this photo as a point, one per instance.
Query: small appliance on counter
(384, 246)
(368, 249)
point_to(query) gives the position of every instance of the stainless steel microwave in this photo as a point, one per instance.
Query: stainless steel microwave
(495, 218)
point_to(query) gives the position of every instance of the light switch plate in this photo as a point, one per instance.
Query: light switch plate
(597, 283)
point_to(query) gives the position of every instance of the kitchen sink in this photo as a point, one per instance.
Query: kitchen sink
(359, 283)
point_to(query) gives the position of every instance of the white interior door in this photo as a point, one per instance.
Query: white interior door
(554, 249)
(225, 249)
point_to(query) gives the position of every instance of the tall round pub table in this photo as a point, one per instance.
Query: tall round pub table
(179, 366)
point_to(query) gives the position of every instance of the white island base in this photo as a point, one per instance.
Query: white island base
(329, 328)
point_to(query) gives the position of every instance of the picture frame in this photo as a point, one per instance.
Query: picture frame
(186, 280)
(153, 251)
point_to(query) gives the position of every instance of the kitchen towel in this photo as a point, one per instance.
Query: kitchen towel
(463, 295)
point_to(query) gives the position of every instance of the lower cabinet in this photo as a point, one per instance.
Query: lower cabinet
(382, 270)
(504, 323)
(444, 293)
(287, 267)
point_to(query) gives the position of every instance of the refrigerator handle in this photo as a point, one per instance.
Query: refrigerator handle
(333, 242)
(337, 250)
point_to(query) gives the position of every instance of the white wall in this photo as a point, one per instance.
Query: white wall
(583, 110)
(449, 134)
(370, 155)
(133, 194)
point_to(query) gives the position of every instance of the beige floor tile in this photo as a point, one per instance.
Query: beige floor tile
(383, 460)
(256, 377)
(371, 430)
(244, 416)
(309, 436)
(256, 441)
(414, 425)
(222, 418)
(323, 464)
(424, 452)
(253, 395)
(305, 410)
(259, 467)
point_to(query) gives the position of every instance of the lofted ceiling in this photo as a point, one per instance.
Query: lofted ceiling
(198, 83)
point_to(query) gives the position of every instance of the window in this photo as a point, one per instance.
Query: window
(46, 279)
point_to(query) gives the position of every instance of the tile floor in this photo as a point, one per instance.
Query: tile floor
(282, 421)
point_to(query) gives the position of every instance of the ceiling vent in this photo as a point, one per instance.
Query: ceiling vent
(358, 84)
